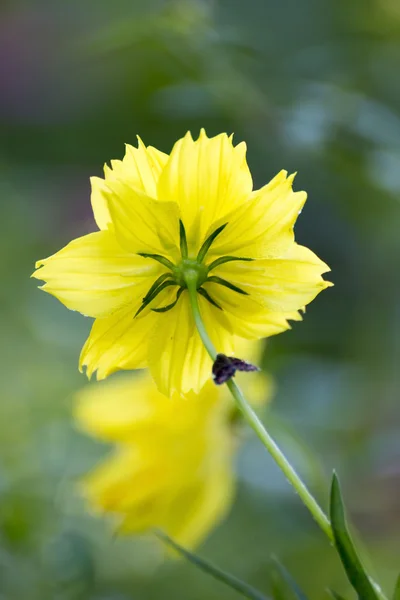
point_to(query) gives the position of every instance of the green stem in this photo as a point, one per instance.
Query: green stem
(259, 429)
(255, 423)
(280, 459)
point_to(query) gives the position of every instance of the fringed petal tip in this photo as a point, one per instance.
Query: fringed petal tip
(44, 288)
(295, 316)
(38, 264)
(84, 369)
(204, 137)
(141, 144)
(89, 370)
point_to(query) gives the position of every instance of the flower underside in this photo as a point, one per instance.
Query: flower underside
(189, 268)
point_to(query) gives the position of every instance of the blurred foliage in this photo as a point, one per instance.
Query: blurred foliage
(311, 87)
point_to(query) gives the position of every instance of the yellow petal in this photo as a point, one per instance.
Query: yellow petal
(200, 508)
(282, 284)
(177, 358)
(117, 342)
(99, 204)
(263, 226)
(246, 317)
(207, 178)
(140, 166)
(114, 410)
(251, 351)
(124, 480)
(141, 223)
(95, 276)
(172, 468)
(129, 407)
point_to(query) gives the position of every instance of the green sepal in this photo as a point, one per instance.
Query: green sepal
(206, 245)
(224, 259)
(224, 282)
(155, 285)
(396, 593)
(345, 546)
(231, 581)
(207, 296)
(283, 585)
(169, 306)
(183, 240)
(150, 297)
(159, 258)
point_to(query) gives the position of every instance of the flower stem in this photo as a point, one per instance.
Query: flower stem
(255, 423)
(259, 429)
(280, 459)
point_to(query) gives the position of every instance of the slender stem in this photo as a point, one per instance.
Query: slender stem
(257, 426)
(255, 423)
(280, 459)
(191, 282)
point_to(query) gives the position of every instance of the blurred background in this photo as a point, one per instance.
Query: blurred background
(312, 87)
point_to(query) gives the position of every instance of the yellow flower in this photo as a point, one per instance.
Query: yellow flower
(162, 219)
(172, 463)
(172, 467)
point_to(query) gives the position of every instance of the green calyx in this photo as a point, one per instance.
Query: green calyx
(188, 271)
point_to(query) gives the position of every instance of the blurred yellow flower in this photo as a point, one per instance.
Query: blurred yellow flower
(162, 220)
(172, 465)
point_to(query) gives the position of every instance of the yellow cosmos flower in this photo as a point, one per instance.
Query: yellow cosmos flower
(162, 220)
(172, 463)
(172, 467)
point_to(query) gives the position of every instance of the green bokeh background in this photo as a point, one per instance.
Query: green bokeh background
(313, 87)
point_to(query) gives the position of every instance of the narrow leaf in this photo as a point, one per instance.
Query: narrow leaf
(169, 306)
(159, 258)
(224, 282)
(183, 240)
(396, 594)
(286, 578)
(345, 546)
(224, 259)
(207, 296)
(335, 595)
(206, 246)
(239, 586)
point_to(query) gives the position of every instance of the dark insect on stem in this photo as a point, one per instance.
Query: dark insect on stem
(225, 367)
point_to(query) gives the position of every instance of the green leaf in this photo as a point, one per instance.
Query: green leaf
(336, 596)
(236, 584)
(396, 593)
(284, 586)
(345, 546)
